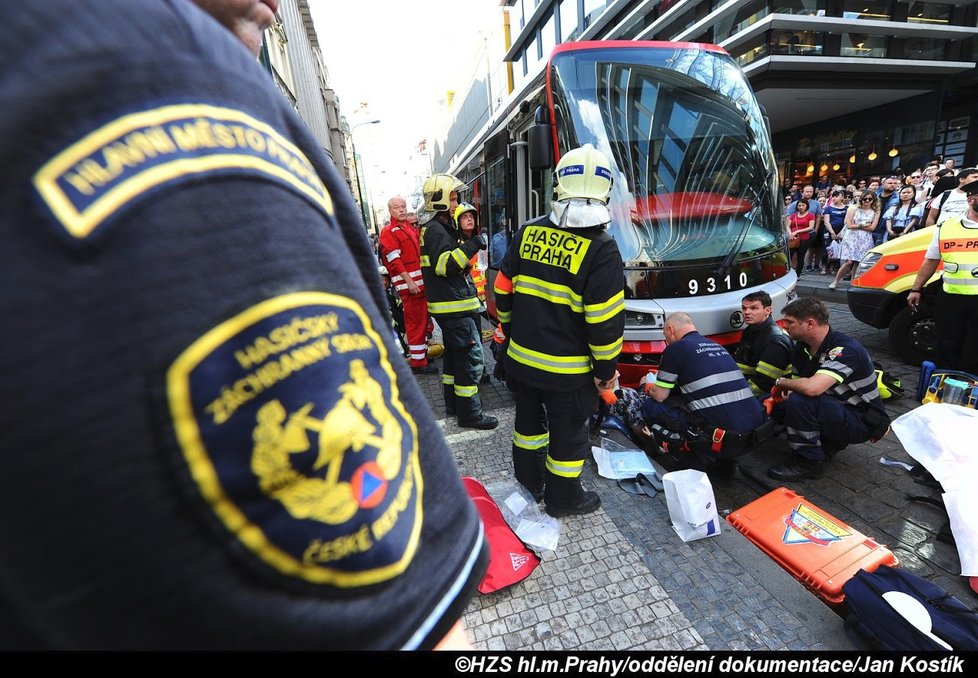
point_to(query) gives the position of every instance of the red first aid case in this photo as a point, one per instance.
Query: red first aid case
(818, 549)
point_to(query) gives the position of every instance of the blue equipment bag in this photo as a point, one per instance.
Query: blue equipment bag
(873, 623)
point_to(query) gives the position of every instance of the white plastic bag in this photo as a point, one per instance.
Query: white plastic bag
(617, 462)
(834, 250)
(521, 512)
(692, 507)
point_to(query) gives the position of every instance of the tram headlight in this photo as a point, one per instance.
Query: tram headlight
(642, 320)
(867, 263)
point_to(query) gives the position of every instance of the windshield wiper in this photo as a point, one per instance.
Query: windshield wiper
(757, 204)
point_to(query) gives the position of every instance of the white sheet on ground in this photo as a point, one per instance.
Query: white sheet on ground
(943, 439)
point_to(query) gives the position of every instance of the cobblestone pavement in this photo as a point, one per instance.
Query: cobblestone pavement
(622, 579)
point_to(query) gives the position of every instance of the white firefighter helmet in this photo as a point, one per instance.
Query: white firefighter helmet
(582, 187)
(437, 189)
(583, 173)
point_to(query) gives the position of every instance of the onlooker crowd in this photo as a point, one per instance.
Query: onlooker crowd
(851, 217)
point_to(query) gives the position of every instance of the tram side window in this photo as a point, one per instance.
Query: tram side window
(496, 194)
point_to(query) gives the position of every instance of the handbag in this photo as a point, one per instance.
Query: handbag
(793, 242)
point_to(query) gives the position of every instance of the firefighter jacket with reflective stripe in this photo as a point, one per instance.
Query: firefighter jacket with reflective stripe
(560, 299)
(445, 268)
(478, 273)
(763, 355)
(959, 250)
(400, 252)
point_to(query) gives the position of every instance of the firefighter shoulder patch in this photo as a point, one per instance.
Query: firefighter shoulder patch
(290, 420)
(129, 158)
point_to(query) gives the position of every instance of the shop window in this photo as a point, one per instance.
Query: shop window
(863, 45)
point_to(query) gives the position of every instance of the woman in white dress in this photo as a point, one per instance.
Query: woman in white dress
(857, 237)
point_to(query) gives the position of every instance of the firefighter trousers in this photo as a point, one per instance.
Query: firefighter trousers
(461, 366)
(819, 424)
(416, 327)
(550, 439)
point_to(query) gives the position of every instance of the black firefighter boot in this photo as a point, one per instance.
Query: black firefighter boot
(470, 415)
(530, 470)
(566, 497)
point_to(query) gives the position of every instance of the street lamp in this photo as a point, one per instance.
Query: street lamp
(364, 211)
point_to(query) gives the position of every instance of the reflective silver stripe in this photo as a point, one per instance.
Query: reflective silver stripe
(863, 383)
(561, 364)
(441, 266)
(466, 391)
(534, 288)
(599, 313)
(768, 370)
(721, 399)
(720, 378)
(607, 352)
(504, 316)
(531, 442)
(746, 369)
(415, 274)
(955, 280)
(666, 376)
(448, 379)
(836, 366)
(394, 254)
(808, 435)
(459, 257)
(454, 306)
(566, 469)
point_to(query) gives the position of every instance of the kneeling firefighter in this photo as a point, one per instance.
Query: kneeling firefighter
(560, 300)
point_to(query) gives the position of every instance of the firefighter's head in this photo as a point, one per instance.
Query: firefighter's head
(441, 192)
(582, 187)
(466, 218)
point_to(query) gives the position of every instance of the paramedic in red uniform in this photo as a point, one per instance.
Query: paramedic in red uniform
(400, 252)
(560, 299)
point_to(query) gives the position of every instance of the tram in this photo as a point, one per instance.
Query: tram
(695, 203)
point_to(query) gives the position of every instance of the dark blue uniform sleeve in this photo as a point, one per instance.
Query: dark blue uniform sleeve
(209, 439)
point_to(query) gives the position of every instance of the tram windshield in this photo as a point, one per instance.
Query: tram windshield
(694, 174)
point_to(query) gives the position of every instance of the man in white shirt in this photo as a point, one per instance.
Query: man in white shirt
(955, 202)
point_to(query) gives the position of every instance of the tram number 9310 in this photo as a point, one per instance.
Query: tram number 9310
(724, 284)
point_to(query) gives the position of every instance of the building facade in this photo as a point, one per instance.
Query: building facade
(851, 87)
(292, 56)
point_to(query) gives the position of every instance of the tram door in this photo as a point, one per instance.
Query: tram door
(498, 224)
